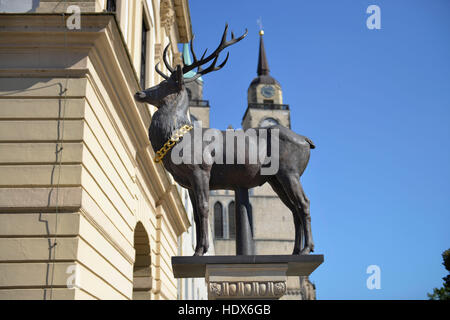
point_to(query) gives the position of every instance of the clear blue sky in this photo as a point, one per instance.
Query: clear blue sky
(377, 105)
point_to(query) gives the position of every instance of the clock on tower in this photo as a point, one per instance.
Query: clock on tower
(268, 91)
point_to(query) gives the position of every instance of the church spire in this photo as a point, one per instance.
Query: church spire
(263, 65)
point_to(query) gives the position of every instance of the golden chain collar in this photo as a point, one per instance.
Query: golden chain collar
(176, 136)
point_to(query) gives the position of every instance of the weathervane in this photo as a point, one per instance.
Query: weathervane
(260, 24)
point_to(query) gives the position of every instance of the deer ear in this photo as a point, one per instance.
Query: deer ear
(179, 77)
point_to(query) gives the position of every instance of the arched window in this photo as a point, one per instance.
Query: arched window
(231, 221)
(142, 274)
(218, 220)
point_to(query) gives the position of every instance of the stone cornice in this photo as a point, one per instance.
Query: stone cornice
(101, 41)
(183, 19)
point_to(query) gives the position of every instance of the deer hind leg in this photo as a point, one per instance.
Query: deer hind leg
(279, 190)
(196, 218)
(201, 198)
(294, 190)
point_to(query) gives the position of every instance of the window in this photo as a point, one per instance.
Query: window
(186, 289)
(111, 6)
(13, 6)
(218, 220)
(145, 30)
(267, 122)
(231, 221)
(142, 271)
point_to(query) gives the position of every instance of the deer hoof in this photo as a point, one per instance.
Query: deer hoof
(305, 250)
(199, 252)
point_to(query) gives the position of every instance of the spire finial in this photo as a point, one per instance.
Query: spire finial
(263, 65)
(260, 25)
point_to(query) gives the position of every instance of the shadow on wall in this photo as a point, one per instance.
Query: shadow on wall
(53, 198)
(19, 6)
(13, 88)
(29, 84)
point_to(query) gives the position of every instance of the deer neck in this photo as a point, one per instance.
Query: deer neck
(171, 115)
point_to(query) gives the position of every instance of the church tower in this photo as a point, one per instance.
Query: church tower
(264, 97)
(265, 108)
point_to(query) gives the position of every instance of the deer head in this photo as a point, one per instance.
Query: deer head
(173, 85)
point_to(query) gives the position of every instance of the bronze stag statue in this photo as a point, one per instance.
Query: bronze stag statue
(171, 121)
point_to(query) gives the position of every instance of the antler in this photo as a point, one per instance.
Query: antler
(215, 55)
(211, 68)
(171, 70)
(160, 72)
(165, 59)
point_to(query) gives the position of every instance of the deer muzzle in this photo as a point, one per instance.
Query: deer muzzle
(140, 96)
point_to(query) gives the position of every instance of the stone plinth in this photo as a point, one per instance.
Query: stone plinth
(246, 281)
(245, 277)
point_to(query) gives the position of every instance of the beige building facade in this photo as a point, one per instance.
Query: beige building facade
(85, 213)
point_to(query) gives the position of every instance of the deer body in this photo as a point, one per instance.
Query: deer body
(171, 99)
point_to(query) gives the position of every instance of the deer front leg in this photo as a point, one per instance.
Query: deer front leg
(201, 199)
(196, 218)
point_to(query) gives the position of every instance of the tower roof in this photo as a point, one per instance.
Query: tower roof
(188, 60)
(263, 70)
(263, 65)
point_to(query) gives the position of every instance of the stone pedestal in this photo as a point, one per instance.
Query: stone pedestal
(245, 277)
(246, 281)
